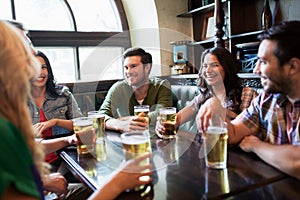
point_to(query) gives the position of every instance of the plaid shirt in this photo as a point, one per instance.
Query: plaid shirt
(248, 94)
(266, 116)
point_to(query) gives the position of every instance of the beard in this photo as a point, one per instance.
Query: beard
(278, 85)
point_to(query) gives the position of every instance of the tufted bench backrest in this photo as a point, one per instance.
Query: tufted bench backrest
(182, 96)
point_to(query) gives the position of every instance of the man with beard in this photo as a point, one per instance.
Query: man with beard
(270, 126)
(136, 89)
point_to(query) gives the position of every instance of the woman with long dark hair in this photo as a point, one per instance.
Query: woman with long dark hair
(217, 78)
(53, 106)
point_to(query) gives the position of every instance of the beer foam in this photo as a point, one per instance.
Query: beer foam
(83, 122)
(167, 112)
(141, 110)
(96, 116)
(134, 139)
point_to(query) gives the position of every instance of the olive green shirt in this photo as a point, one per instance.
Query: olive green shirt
(120, 99)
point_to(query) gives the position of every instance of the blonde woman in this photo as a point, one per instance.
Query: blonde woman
(20, 156)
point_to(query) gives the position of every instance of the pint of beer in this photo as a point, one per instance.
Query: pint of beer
(98, 122)
(136, 144)
(215, 145)
(85, 134)
(138, 109)
(168, 120)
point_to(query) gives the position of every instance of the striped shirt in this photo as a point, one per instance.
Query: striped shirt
(267, 116)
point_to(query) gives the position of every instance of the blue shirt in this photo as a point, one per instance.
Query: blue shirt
(62, 107)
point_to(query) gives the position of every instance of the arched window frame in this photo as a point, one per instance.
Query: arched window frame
(77, 39)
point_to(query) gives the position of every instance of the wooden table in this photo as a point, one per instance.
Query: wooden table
(180, 172)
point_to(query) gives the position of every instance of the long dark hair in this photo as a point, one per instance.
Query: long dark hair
(232, 82)
(51, 86)
(230, 66)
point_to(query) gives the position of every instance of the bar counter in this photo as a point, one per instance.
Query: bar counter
(180, 172)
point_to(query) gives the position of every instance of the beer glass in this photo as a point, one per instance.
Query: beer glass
(99, 123)
(85, 134)
(136, 144)
(141, 109)
(168, 121)
(138, 109)
(215, 146)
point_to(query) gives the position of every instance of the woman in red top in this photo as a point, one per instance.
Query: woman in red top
(53, 107)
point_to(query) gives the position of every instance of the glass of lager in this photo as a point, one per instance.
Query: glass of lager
(138, 109)
(215, 146)
(168, 121)
(85, 134)
(134, 145)
(99, 123)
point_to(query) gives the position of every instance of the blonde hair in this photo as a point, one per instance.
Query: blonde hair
(18, 67)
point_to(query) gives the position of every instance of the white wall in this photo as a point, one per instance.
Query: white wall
(153, 25)
(144, 30)
(172, 28)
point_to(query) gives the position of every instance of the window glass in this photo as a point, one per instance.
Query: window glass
(62, 61)
(97, 64)
(5, 9)
(92, 15)
(43, 15)
(96, 15)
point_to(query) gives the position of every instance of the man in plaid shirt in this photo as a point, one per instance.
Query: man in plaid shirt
(270, 126)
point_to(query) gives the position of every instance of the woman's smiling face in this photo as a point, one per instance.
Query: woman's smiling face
(41, 80)
(212, 70)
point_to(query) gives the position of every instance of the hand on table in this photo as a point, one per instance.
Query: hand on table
(55, 182)
(249, 142)
(129, 123)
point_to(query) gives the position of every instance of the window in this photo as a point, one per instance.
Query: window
(75, 35)
(103, 65)
(5, 10)
(62, 62)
